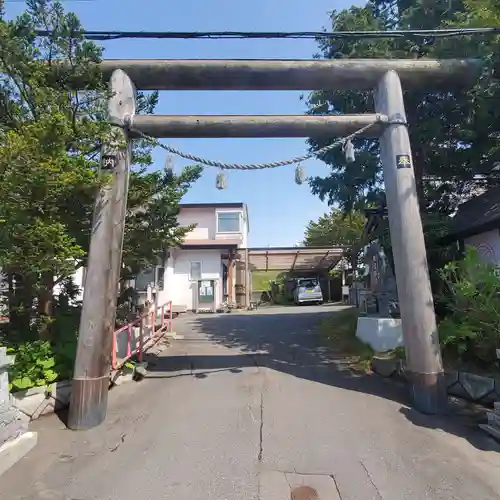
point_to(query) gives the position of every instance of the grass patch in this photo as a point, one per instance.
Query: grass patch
(339, 329)
(261, 279)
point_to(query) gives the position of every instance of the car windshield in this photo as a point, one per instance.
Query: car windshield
(310, 283)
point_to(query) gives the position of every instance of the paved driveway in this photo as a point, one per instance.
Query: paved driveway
(251, 407)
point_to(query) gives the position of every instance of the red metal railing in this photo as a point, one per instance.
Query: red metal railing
(149, 332)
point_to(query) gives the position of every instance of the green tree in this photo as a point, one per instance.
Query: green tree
(335, 229)
(151, 225)
(470, 330)
(46, 143)
(454, 133)
(50, 137)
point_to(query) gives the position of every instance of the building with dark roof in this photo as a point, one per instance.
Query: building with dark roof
(477, 224)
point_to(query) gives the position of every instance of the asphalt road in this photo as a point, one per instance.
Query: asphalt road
(251, 407)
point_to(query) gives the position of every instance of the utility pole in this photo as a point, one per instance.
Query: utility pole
(89, 395)
(423, 355)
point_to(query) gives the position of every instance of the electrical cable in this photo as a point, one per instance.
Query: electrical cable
(340, 35)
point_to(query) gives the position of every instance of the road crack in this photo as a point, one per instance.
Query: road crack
(336, 486)
(261, 426)
(371, 480)
(122, 440)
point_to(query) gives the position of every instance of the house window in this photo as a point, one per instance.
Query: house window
(228, 222)
(154, 276)
(160, 278)
(195, 271)
(145, 278)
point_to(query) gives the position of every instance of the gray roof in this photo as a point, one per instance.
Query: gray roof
(478, 215)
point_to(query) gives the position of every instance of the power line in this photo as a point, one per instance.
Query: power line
(63, 1)
(340, 35)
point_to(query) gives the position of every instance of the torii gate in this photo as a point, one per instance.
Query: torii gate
(385, 77)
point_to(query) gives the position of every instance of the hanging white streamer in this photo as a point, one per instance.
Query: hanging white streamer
(349, 151)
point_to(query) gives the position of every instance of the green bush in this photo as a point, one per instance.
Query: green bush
(470, 330)
(39, 363)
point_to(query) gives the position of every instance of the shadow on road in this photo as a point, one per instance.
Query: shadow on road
(287, 341)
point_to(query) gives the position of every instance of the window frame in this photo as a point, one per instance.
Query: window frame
(238, 212)
(150, 269)
(191, 262)
(160, 277)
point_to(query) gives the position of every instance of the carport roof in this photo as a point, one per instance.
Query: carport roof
(294, 258)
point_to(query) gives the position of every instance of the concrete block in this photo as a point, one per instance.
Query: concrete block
(60, 392)
(12, 451)
(496, 393)
(492, 431)
(43, 400)
(494, 419)
(12, 423)
(30, 403)
(30, 392)
(174, 336)
(473, 388)
(476, 386)
(381, 334)
(140, 371)
(123, 378)
(451, 378)
(48, 405)
(386, 367)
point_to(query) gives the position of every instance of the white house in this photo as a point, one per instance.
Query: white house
(209, 254)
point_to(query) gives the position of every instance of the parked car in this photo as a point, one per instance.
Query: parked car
(308, 291)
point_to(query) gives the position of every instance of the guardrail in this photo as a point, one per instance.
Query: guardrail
(132, 339)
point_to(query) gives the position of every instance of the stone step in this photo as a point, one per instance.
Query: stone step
(494, 419)
(492, 431)
(174, 335)
(12, 451)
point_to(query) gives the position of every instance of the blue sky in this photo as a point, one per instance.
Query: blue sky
(279, 209)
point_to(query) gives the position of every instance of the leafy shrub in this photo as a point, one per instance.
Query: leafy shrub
(40, 363)
(470, 330)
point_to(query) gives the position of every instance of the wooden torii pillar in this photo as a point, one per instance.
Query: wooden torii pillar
(89, 394)
(386, 78)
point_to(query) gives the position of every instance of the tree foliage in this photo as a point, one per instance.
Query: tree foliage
(50, 138)
(152, 226)
(454, 132)
(335, 229)
(470, 331)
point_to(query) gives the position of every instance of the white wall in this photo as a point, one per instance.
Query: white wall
(245, 229)
(487, 244)
(178, 287)
(206, 224)
(78, 278)
(205, 221)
